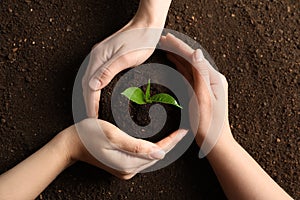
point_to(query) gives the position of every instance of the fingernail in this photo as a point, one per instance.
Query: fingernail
(182, 133)
(95, 84)
(170, 34)
(201, 154)
(160, 154)
(198, 55)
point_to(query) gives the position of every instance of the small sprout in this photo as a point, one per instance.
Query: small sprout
(137, 95)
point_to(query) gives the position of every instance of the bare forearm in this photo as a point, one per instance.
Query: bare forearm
(240, 175)
(153, 12)
(30, 177)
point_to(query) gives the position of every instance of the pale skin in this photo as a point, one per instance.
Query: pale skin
(43, 166)
(239, 174)
(103, 65)
(29, 178)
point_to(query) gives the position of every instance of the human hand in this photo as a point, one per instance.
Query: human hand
(128, 47)
(102, 144)
(210, 87)
(123, 50)
(114, 151)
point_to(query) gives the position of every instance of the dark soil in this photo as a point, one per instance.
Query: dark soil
(140, 115)
(139, 122)
(254, 43)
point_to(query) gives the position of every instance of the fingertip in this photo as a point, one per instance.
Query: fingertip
(157, 155)
(161, 41)
(198, 55)
(163, 37)
(95, 84)
(170, 141)
(170, 35)
(181, 133)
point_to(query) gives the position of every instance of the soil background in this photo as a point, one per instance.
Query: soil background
(255, 44)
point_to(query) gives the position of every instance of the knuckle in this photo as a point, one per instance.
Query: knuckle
(137, 148)
(106, 73)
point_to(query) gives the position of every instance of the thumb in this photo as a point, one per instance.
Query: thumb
(106, 72)
(150, 150)
(136, 147)
(169, 142)
(145, 149)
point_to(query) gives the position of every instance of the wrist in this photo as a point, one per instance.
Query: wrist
(151, 13)
(224, 144)
(216, 142)
(68, 145)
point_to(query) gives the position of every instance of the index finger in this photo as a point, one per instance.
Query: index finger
(176, 46)
(168, 143)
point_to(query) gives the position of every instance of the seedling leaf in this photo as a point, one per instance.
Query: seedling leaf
(135, 94)
(165, 98)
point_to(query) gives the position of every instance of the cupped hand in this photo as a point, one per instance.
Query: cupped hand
(129, 47)
(210, 87)
(102, 144)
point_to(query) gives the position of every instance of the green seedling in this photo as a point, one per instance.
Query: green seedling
(137, 95)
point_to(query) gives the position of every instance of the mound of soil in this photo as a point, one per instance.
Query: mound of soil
(140, 116)
(135, 119)
(254, 43)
